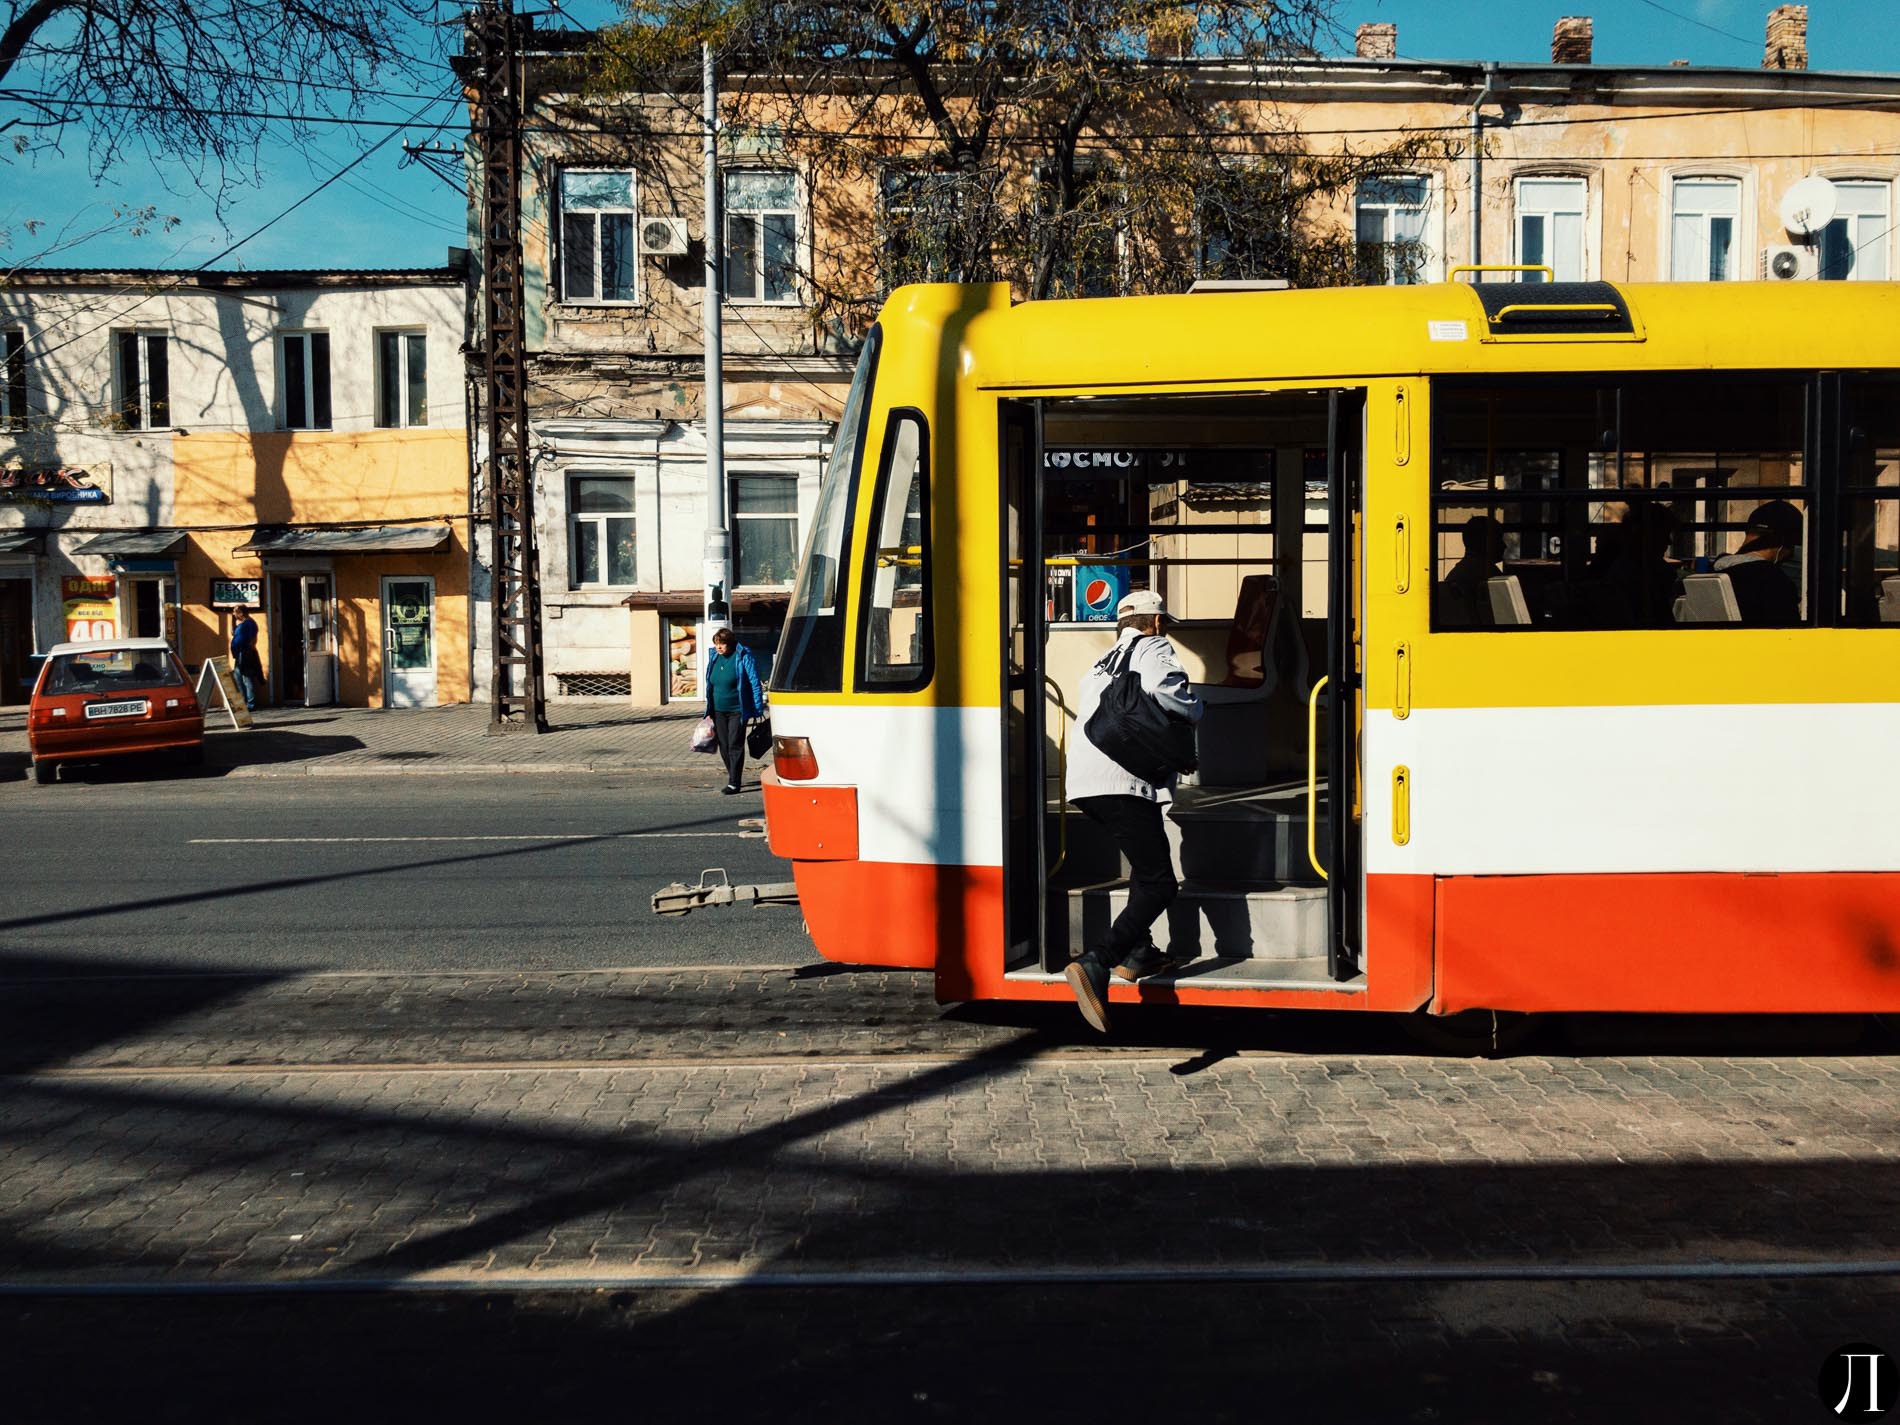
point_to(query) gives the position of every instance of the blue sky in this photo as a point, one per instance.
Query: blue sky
(386, 214)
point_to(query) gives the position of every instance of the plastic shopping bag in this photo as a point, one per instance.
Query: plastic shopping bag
(704, 738)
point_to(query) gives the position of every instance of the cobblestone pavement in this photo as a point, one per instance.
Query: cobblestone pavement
(583, 737)
(671, 1127)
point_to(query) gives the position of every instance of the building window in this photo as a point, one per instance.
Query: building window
(1242, 218)
(764, 531)
(1854, 245)
(1550, 227)
(597, 214)
(601, 531)
(13, 388)
(1705, 218)
(402, 379)
(305, 365)
(761, 236)
(1389, 222)
(145, 384)
(897, 610)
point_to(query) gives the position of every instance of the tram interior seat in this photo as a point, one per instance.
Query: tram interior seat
(1509, 608)
(1707, 598)
(1251, 733)
(1890, 599)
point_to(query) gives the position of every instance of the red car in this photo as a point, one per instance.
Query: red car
(112, 699)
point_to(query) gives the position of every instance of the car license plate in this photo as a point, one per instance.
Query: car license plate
(131, 707)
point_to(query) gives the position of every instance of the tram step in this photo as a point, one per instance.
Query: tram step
(1227, 921)
(1236, 834)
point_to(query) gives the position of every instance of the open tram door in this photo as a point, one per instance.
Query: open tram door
(1180, 493)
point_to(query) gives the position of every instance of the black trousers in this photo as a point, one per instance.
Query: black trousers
(1135, 823)
(729, 728)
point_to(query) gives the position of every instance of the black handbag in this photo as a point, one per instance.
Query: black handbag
(1134, 732)
(758, 738)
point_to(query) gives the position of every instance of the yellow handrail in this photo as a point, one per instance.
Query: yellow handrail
(1549, 275)
(1599, 309)
(1312, 778)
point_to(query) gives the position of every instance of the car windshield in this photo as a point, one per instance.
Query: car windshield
(111, 670)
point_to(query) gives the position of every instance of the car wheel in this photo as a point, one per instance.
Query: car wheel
(1473, 1031)
(44, 771)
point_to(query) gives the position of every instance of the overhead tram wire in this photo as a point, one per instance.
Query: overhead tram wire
(259, 231)
(1701, 24)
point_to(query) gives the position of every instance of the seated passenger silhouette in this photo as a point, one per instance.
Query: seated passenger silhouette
(1639, 581)
(1463, 599)
(1764, 592)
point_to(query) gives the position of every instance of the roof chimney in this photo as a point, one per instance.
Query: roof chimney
(1377, 42)
(1570, 41)
(1787, 46)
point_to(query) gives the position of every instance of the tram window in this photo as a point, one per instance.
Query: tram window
(1588, 499)
(896, 610)
(1870, 505)
(811, 653)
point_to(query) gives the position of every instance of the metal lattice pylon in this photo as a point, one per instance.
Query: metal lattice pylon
(494, 46)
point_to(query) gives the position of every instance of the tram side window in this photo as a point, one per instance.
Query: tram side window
(811, 654)
(1588, 503)
(1870, 505)
(896, 613)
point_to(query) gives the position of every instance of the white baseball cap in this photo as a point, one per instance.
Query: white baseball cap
(1141, 604)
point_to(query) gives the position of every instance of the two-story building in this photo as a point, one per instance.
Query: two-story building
(1631, 173)
(177, 445)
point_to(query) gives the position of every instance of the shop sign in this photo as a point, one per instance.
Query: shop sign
(91, 606)
(237, 593)
(56, 485)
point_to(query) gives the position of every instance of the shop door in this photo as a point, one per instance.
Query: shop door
(408, 641)
(16, 639)
(287, 639)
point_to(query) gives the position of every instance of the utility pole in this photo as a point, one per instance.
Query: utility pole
(494, 45)
(718, 605)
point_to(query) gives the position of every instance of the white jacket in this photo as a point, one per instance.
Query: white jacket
(1091, 773)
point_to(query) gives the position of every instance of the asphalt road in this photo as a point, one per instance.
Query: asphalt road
(404, 873)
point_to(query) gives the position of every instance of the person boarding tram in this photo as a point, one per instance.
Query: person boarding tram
(1128, 806)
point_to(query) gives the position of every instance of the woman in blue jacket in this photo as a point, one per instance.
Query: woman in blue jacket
(734, 697)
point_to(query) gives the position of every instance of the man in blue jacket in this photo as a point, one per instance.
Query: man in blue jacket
(734, 697)
(246, 667)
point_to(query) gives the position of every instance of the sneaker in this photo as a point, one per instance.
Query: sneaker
(1088, 977)
(1143, 961)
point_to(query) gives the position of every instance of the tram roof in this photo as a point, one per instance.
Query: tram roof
(1341, 334)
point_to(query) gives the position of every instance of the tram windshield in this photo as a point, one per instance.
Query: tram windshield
(811, 654)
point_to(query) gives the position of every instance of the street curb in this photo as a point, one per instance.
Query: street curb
(451, 769)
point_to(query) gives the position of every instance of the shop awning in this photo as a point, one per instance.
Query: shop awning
(17, 541)
(134, 544)
(371, 539)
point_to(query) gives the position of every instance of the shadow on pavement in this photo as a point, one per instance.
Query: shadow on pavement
(1350, 1354)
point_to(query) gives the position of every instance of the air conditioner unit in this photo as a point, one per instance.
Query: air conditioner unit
(1787, 262)
(662, 236)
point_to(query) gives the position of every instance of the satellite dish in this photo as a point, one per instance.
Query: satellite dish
(1809, 206)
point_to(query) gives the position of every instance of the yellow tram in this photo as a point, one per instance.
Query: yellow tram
(1496, 718)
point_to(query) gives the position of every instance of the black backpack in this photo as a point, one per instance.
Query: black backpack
(1133, 731)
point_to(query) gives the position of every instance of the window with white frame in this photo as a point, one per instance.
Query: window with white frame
(1705, 219)
(144, 380)
(1854, 246)
(764, 531)
(13, 387)
(597, 221)
(1550, 227)
(601, 531)
(304, 362)
(761, 235)
(402, 378)
(1389, 216)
